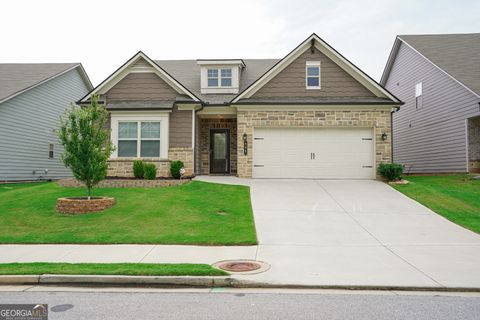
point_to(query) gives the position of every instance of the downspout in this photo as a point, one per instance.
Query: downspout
(395, 109)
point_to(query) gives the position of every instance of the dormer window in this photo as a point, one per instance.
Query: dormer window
(220, 76)
(312, 71)
(225, 79)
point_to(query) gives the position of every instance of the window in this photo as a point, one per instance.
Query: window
(418, 95)
(50, 151)
(212, 77)
(225, 78)
(313, 74)
(139, 139)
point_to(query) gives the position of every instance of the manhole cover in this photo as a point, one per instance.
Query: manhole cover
(239, 266)
(242, 266)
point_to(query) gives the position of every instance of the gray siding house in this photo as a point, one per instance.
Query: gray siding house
(32, 99)
(438, 78)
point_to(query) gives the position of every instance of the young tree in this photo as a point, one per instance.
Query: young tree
(87, 143)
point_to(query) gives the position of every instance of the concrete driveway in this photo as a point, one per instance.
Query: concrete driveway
(318, 232)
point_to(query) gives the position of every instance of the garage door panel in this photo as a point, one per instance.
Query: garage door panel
(328, 153)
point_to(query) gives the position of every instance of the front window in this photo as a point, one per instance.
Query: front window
(313, 75)
(418, 95)
(139, 139)
(219, 77)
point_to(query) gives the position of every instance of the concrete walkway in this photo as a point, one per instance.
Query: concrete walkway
(317, 232)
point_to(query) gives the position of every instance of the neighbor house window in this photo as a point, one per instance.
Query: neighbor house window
(418, 95)
(139, 139)
(312, 71)
(50, 151)
(219, 77)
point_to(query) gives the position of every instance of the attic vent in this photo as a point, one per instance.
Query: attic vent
(312, 46)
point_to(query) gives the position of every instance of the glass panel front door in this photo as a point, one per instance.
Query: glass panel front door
(219, 151)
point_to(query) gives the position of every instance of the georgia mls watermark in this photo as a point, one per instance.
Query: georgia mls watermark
(23, 311)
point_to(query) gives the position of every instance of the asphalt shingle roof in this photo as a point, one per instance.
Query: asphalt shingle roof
(15, 77)
(187, 72)
(456, 54)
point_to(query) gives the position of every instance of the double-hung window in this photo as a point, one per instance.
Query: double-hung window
(312, 74)
(219, 77)
(139, 139)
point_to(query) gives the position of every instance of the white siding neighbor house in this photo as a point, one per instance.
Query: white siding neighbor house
(33, 97)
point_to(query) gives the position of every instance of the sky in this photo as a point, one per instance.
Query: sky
(102, 34)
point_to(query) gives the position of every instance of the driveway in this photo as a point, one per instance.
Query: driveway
(324, 232)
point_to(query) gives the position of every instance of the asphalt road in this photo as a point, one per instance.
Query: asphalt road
(205, 305)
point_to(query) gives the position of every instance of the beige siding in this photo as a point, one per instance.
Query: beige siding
(180, 128)
(335, 82)
(141, 86)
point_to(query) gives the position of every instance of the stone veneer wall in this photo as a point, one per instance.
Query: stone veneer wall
(123, 167)
(204, 142)
(474, 145)
(247, 120)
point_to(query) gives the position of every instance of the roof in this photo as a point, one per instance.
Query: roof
(456, 54)
(187, 72)
(16, 78)
(320, 101)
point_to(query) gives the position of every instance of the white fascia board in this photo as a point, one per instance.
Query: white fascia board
(221, 62)
(323, 47)
(122, 72)
(46, 80)
(300, 107)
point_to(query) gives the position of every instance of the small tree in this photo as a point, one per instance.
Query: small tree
(87, 143)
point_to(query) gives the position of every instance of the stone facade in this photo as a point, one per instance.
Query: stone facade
(474, 145)
(204, 142)
(380, 120)
(123, 167)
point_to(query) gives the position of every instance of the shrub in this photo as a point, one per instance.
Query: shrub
(138, 171)
(391, 171)
(175, 167)
(150, 171)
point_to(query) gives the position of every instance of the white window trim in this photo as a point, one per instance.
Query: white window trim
(219, 77)
(313, 64)
(161, 117)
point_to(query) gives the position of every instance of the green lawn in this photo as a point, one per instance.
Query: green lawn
(125, 269)
(195, 213)
(456, 197)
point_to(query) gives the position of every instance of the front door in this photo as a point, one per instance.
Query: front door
(219, 151)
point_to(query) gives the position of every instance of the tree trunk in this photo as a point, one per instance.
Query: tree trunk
(89, 192)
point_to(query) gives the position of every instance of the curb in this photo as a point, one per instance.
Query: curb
(203, 282)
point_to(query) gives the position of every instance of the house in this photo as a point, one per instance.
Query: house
(312, 114)
(438, 78)
(33, 97)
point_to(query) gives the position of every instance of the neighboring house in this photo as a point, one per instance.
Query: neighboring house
(33, 97)
(438, 78)
(312, 114)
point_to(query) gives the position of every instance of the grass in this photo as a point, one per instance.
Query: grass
(456, 197)
(195, 213)
(125, 269)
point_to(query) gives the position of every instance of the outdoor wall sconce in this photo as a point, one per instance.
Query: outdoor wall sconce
(384, 136)
(245, 144)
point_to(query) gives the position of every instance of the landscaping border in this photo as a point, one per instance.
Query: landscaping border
(125, 183)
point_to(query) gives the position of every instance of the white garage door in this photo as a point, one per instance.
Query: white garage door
(321, 153)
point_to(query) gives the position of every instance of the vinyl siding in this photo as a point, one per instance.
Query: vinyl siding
(27, 127)
(180, 128)
(141, 86)
(335, 82)
(431, 138)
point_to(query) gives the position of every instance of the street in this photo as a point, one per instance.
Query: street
(219, 303)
